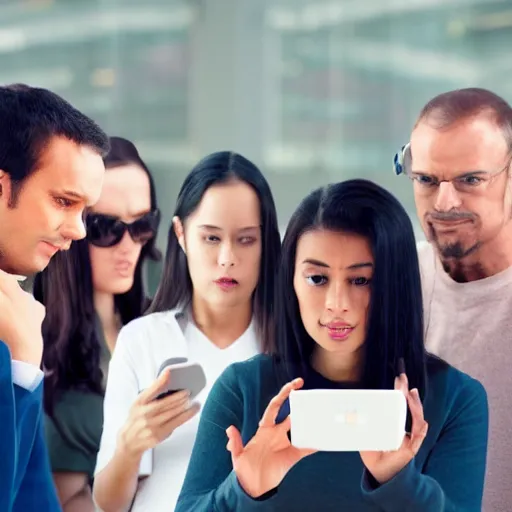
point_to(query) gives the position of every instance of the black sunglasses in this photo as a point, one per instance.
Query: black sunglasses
(107, 230)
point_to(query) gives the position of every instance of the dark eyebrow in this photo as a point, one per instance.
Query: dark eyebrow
(70, 193)
(217, 228)
(463, 175)
(365, 264)
(318, 263)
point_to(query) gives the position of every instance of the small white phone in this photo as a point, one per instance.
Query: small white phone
(348, 420)
(184, 375)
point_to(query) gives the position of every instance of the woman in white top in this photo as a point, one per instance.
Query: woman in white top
(213, 306)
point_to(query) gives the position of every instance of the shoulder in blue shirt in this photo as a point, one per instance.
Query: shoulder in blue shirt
(26, 483)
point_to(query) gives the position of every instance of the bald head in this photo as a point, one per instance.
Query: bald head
(447, 110)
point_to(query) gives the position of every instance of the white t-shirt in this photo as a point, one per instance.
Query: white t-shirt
(141, 348)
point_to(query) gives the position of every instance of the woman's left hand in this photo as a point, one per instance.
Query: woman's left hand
(385, 465)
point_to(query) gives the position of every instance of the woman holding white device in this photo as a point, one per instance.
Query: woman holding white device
(349, 315)
(214, 306)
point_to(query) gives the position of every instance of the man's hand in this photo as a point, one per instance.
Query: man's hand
(21, 317)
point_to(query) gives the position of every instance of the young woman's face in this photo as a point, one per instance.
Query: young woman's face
(333, 271)
(222, 242)
(125, 196)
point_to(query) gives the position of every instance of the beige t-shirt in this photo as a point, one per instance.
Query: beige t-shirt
(470, 326)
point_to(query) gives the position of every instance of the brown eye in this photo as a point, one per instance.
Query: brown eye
(316, 280)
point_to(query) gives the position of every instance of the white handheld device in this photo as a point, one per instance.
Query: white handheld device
(348, 420)
(184, 375)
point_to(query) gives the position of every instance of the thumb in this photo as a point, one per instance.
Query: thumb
(235, 444)
(149, 394)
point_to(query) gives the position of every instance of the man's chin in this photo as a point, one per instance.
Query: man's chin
(455, 250)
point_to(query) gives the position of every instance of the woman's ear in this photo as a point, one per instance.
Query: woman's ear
(179, 232)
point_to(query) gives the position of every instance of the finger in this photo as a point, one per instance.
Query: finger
(402, 383)
(235, 445)
(169, 414)
(269, 416)
(158, 406)
(160, 432)
(181, 418)
(157, 387)
(418, 438)
(9, 283)
(419, 427)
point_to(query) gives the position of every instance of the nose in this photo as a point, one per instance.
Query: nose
(126, 244)
(447, 197)
(226, 256)
(74, 228)
(338, 298)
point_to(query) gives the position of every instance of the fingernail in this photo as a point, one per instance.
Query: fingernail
(400, 366)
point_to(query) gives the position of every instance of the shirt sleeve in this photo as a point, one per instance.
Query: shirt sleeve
(37, 491)
(121, 391)
(452, 478)
(26, 375)
(210, 482)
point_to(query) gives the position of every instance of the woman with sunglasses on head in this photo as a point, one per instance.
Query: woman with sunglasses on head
(213, 307)
(349, 315)
(90, 292)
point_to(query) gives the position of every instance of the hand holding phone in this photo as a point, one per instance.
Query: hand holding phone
(151, 421)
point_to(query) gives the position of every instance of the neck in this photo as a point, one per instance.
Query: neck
(222, 325)
(344, 368)
(489, 259)
(105, 309)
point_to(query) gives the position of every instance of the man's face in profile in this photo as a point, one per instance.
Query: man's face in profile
(46, 214)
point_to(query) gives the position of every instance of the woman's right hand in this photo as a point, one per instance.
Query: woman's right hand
(152, 420)
(264, 461)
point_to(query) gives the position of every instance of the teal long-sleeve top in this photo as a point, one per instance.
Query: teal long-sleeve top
(446, 475)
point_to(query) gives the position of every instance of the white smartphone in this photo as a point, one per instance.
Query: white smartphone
(184, 375)
(348, 420)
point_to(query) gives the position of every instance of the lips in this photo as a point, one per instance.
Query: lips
(123, 265)
(226, 283)
(226, 280)
(49, 248)
(339, 331)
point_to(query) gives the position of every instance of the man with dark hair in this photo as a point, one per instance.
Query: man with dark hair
(459, 158)
(51, 168)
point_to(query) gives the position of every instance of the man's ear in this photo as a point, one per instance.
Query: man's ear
(5, 184)
(177, 225)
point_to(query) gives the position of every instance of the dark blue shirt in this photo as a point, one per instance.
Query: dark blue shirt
(446, 475)
(26, 483)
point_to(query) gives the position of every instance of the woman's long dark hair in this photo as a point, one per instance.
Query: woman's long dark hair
(175, 288)
(72, 349)
(395, 320)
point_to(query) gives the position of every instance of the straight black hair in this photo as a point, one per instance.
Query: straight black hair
(72, 348)
(175, 289)
(395, 320)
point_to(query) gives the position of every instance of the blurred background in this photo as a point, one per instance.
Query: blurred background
(313, 91)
